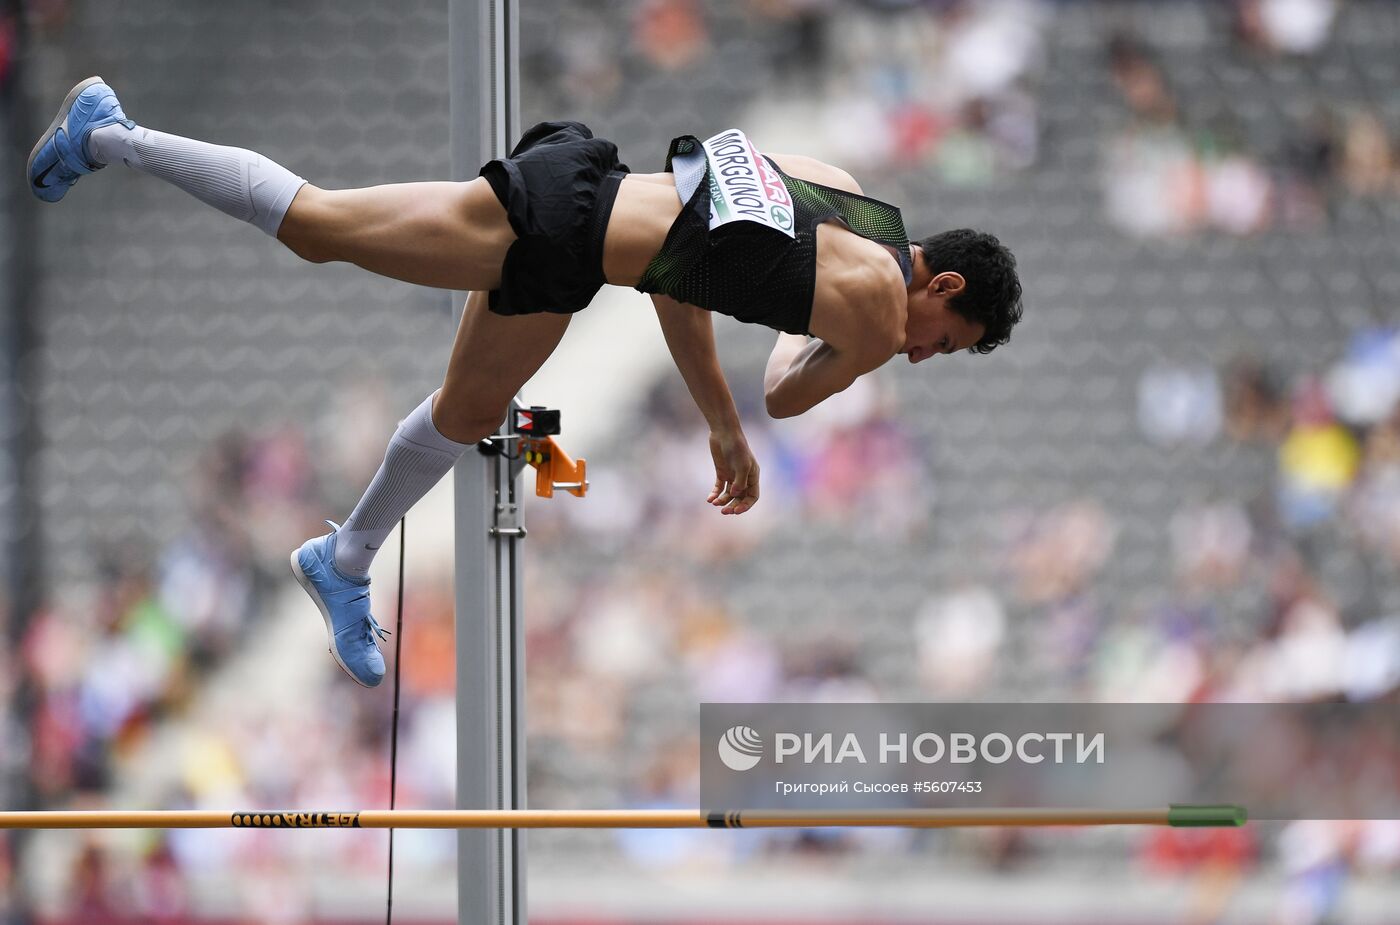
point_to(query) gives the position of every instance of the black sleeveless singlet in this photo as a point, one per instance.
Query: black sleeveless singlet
(754, 273)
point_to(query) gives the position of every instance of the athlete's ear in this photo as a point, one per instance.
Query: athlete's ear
(948, 282)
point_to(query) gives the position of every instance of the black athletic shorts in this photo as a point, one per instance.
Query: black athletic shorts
(558, 187)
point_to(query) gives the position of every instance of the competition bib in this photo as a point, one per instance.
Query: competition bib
(743, 186)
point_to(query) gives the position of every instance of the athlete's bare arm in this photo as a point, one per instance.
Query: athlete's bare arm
(690, 336)
(802, 374)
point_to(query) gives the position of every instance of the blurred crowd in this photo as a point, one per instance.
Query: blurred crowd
(942, 88)
(1208, 163)
(949, 90)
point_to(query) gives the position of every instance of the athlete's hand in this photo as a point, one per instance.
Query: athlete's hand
(736, 472)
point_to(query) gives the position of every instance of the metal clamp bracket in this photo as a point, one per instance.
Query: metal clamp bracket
(532, 431)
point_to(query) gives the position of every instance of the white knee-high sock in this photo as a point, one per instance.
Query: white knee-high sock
(236, 181)
(418, 456)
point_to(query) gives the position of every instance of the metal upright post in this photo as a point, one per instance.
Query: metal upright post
(484, 76)
(21, 579)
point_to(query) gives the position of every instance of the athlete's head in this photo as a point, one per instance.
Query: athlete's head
(965, 295)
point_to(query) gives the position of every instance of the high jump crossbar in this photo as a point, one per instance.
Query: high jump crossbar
(1176, 815)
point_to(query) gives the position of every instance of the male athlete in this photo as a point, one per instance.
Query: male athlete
(780, 240)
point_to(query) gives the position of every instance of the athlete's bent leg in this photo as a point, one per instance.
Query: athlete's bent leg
(493, 356)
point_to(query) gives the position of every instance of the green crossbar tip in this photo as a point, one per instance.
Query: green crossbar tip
(1196, 816)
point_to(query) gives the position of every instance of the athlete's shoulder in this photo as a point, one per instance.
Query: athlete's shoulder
(860, 299)
(814, 171)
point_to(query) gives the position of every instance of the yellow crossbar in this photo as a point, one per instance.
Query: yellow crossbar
(1177, 815)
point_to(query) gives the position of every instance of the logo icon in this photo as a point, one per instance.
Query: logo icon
(39, 180)
(740, 748)
(782, 218)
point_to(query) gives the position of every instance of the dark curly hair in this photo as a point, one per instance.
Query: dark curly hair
(993, 294)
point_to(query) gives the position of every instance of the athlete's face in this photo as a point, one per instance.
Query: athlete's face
(933, 327)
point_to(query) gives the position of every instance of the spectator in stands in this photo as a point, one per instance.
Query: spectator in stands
(1255, 407)
(1368, 162)
(1291, 27)
(1318, 459)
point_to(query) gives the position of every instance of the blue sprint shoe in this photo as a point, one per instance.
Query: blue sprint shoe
(344, 605)
(60, 157)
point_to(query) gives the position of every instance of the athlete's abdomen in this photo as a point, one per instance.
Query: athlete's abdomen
(642, 215)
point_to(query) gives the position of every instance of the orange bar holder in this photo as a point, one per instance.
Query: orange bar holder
(555, 470)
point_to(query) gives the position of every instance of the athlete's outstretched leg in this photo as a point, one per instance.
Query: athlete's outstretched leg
(91, 131)
(448, 235)
(492, 358)
(238, 182)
